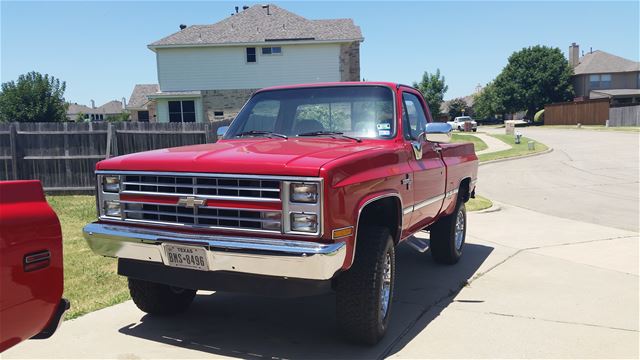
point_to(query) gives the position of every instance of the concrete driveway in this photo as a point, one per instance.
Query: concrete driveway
(532, 283)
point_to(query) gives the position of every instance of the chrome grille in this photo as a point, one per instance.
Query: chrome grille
(203, 216)
(224, 188)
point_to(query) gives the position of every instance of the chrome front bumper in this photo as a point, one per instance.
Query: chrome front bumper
(260, 256)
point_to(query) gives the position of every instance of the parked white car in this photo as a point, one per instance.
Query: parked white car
(458, 123)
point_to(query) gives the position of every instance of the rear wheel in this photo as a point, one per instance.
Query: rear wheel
(448, 236)
(364, 293)
(159, 299)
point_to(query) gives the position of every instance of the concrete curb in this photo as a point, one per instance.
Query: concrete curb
(494, 208)
(550, 149)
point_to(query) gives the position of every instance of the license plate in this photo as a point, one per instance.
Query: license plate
(188, 257)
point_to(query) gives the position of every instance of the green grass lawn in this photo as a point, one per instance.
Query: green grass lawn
(90, 281)
(478, 203)
(477, 142)
(516, 149)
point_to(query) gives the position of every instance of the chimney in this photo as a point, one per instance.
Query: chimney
(93, 104)
(124, 103)
(237, 9)
(266, 7)
(183, 26)
(574, 55)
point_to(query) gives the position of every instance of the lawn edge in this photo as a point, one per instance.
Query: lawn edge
(516, 157)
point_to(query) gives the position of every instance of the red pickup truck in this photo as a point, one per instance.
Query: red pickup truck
(309, 190)
(31, 282)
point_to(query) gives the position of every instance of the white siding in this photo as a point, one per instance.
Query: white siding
(219, 68)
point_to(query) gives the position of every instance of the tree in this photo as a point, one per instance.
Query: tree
(533, 77)
(457, 107)
(486, 103)
(123, 116)
(433, 88)
(33, 98)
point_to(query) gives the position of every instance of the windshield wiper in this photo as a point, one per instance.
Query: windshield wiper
(261, 132)
(330, 133)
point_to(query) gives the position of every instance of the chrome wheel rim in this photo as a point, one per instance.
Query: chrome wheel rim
(459, 233)
(385, 289)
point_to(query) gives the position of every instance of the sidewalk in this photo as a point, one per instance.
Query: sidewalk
(493, 144)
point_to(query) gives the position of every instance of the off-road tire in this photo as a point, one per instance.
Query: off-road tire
(358, 290)
(159, 299)
(443, 237)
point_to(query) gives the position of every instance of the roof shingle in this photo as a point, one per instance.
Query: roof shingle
(138, 99)
(600, 62)
(255, 25)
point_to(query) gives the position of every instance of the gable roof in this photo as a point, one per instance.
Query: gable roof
(263, 23)
(599, 62)
(138, 99)
(111, 107)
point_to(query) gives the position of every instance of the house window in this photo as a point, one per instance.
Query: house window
(273, 50)
(182, 111)
(251, 55)
(600, 81)
(143, 116)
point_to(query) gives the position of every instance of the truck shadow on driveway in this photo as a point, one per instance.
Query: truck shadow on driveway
(257, 327)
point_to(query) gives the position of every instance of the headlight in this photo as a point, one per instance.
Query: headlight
(111, 184)
(303, 193)
(304, 222)
(112, 208)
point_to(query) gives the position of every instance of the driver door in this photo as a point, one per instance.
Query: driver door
(429, 173)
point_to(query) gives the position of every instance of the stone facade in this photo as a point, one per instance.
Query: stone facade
(227, 102)
(151, 107)
(350, 61)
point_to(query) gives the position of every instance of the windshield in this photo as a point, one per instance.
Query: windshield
(355, 111)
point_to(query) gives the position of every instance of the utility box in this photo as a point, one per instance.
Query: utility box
(509, 127)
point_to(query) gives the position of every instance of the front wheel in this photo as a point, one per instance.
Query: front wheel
(448, 236)
(159, 299)
(364, 293)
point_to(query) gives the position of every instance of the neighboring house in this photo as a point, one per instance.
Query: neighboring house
(598, 72)
(141, 108)
(94, 113)
(207, 72)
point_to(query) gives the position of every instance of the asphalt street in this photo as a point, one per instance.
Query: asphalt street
(551, 272)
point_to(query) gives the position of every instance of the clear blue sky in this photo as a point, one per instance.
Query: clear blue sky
(99, 48)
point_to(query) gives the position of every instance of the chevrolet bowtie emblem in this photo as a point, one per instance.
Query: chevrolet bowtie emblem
(191, 202)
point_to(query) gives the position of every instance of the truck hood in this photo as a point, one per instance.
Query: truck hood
(289, 157)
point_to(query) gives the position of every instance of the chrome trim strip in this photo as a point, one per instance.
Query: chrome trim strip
(428, 202)
(407, 210)
(212, 197)
(190, 226)
(198, 186)
(214, 175)
(272, 257)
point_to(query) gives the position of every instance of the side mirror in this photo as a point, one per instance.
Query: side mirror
(222, 130)
(438, 132)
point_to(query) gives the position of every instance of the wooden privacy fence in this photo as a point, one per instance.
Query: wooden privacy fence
(63, 155)
(624, 116)
(590, 112)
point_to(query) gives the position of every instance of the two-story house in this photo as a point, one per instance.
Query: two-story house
(599, 74)
(207, 72)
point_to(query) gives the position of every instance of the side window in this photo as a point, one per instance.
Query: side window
(414, 119)
(251, 55)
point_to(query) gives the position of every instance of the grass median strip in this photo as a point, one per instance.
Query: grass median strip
(477, 142)
(478, 203)
(90, 281)
(516, 149)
